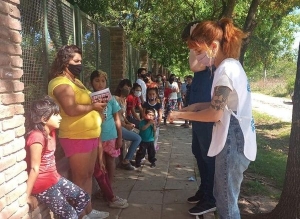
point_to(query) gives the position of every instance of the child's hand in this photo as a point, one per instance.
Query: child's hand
(99, 106)
(151, 122)
(119, 143)
(33, 202)
(102, 166)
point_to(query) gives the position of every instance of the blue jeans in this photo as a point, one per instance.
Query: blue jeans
(135, 141)
(201, 138)
(230, 165)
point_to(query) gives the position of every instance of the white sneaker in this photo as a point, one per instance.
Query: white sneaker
(94, 214)
(119, 203)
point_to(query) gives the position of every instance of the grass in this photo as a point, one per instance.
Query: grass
(268, 170)
(276, 87)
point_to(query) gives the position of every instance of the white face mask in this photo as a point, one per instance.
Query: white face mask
(137, 93)
(205, 60)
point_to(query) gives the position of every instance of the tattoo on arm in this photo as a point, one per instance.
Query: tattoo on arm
(219, 100)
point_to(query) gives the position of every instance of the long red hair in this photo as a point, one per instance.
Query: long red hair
(224, 31)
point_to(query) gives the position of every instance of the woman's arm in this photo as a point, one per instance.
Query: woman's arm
(119, 130)
(196, 107)
(213, 113)
(66, 98)
(35, 162)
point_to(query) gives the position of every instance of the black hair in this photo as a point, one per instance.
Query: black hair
(121, 84)
(186, 31)
(134, 86)
(150, 110)
(149, 89)
(41, 110)
(189, 76)
(139, 71)
(172, 75)
(62, 59)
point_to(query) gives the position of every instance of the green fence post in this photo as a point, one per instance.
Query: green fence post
(45, 68)
(78, 29)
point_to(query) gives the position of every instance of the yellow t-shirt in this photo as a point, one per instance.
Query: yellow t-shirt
(85, 126)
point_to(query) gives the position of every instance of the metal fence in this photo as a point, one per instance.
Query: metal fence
(46, 26)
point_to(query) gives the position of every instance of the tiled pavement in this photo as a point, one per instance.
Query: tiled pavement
(160, 192)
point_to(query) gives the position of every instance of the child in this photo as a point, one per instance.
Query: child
(152, 101)
(189, 80)
(133, 103)
(109, 148)
(44, 183)
(147, 133)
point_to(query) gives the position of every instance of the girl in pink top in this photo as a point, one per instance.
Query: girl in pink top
(44, 183)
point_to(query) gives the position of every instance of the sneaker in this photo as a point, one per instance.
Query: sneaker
(193, 200)
(127, 166)
(202, 208)
(137, 165)
(152, 165)
(97, 214)
(119, 203)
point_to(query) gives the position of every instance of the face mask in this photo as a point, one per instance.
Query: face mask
(143, 75)
(159, 79)
(75, 69)
(205, 60)
(137, 93)
(125, 92)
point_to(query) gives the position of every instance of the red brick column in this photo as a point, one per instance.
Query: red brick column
(143, 59)
(118, 56)
(12, 165)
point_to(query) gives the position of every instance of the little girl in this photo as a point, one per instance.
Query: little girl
(152, 101)
(44, 183)
(111, 142)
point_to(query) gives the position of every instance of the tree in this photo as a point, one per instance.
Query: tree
(288, 205)
(157, 29)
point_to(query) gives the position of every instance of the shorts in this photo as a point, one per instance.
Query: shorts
(109, 147)
(179, 99)
(77, 146)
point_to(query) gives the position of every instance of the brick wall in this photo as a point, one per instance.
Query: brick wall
(13, 173)
(12, 153)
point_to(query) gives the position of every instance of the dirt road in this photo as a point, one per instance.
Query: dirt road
(274, 106)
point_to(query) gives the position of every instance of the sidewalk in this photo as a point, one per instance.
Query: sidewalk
(160, 192)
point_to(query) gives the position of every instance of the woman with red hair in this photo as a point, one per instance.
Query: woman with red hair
(233, 137)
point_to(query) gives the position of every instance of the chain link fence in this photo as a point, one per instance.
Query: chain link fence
(46, 26)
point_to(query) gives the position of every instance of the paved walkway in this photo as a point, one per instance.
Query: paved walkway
(160, 192)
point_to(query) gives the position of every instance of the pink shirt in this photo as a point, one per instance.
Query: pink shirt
(48, 175)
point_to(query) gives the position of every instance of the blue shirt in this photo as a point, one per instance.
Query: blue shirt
(147, 135)
(109, 130)
(201, 87)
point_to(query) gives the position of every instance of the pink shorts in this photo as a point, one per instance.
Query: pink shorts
(75, 146)
(109, 147)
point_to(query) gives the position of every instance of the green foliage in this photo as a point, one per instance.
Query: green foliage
(156, 25)
(272, 142)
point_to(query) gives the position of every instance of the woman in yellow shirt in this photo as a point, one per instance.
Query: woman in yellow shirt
(81, 122)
